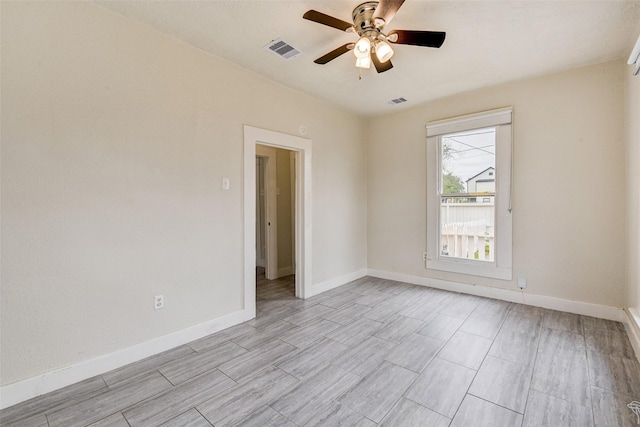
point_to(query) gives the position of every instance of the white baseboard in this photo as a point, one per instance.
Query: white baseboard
(321, 287)
(285, 271)
(21, 391)
(553, 303)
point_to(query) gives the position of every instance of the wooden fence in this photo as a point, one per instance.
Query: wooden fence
(467, 230)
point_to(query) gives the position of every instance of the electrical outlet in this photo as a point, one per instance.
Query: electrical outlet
(522, 282)
(158, 302)
(424, 256)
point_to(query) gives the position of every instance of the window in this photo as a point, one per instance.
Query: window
(469, 194)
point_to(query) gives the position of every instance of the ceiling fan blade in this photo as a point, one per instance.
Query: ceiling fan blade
(381, 67)
(334, 54)
(418, 38)
(386, 10)
(321, 18)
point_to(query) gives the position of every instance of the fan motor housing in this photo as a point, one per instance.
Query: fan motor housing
(363, 18)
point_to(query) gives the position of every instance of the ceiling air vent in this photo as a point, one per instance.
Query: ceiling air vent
(282, 49)
(397, 101)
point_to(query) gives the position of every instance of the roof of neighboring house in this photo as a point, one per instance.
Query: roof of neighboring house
(478, 174)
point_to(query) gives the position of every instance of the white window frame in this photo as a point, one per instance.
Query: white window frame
(501, 267)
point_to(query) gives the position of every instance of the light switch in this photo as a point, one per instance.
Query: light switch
(225, 183)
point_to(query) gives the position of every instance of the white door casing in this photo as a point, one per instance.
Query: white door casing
(302, 148)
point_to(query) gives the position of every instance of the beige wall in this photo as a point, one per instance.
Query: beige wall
(568, 238)
(632, 103)
(115, 140)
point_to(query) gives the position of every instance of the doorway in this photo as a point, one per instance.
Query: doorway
(275, 219)
(300, 150)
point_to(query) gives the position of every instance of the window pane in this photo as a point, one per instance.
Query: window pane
(467, 194)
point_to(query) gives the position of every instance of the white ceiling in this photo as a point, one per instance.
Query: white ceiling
(488, 42)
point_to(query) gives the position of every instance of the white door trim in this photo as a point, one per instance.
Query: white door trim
(302, 147)
(271, 211)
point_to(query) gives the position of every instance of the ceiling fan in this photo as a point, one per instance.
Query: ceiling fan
(369, 20)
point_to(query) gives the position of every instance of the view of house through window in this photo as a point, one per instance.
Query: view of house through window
(467, 194)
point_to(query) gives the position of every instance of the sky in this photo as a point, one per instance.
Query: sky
(472, 152)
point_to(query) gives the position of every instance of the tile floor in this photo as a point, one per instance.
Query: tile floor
(372, 352)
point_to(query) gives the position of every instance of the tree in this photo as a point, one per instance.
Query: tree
(451, 184)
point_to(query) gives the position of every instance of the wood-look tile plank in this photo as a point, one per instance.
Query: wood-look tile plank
(191, 418)
(502, 382)
(594, 322)
(337, 415)
(384, 311)
(441, 386)
(178, 399)
(123, 395)
(515, 346)
(415, 352)
(306, 335)
(559, 342)
(310, 314)
(462, 306)
(301, 403)
(221, 337)
(528, 309)
(307, 362)
(115, 420)
(194, 364)
(272, 315)
(264, 334)
(376, 394)
(610, 409)
(341, 300)
(242, 400)
(523, 323)
(347, 314)
(420, 310)
(544, 410)
(364, 357)
(440, 327)
(493, 307)
(266, 417)
(251, 362)
(146, 365)
(409, 296)
(476, 412)
(466, 349)
(409, 414)
(355, 332)
(53, 401)
(483, 324)
(399, 329)
(371, 299)
(30, 421)
(609, 341)
(302, 304)
(613, 373)
(565, 377)
(563, 321)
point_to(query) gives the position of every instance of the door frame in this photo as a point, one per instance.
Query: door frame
(271, 211)
(302, 149)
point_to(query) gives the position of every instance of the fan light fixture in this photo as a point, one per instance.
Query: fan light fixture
(369, 20)
(364, 62)
(383, 51)
(362, 48)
